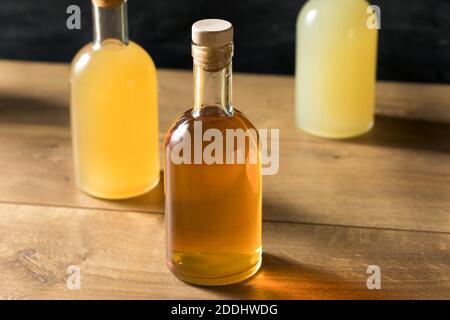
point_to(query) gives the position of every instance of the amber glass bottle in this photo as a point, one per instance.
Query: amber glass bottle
(213, 207)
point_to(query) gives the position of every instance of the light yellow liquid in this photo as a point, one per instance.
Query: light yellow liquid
(114, 120)
(336, 63)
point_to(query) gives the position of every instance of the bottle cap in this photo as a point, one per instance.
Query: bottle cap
(108, 3)
(212, 33)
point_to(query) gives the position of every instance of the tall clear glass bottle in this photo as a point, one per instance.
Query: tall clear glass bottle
(114, 110)
(335, 68)
(213, 198)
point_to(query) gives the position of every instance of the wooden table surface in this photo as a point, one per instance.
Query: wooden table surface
(334, 208)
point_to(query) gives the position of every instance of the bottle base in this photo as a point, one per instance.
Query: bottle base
(118, 196)
(222, 281)
(337, 135)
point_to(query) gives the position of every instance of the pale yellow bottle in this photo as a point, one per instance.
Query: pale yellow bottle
(335, 68)
(114, 110)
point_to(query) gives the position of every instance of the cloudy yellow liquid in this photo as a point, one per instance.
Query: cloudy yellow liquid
(336, 58)
(114, 120)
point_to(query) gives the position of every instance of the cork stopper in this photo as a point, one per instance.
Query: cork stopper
(108, 3)
(212, 44)
(212, 33)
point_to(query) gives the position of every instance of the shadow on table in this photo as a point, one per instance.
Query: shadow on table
(284, 279)
(388, 131)
(406, 133)
(275, 209)
(31, 110)
(151, 202)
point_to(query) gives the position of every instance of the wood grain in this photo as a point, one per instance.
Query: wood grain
(334, 208)
(397, 176)
(121, 256)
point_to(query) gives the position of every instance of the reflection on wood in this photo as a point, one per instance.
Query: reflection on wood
(121, 255)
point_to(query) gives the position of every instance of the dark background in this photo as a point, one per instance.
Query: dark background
(414, 42)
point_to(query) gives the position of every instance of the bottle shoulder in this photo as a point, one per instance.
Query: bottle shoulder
(209, 118)
(144, 54)
(335, 3)
(316, 12)
(112, 55)
(87, 49)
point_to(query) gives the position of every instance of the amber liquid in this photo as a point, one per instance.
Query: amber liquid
(213, 212)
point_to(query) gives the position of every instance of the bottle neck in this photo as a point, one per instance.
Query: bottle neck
(110, 23)
(213, 88)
